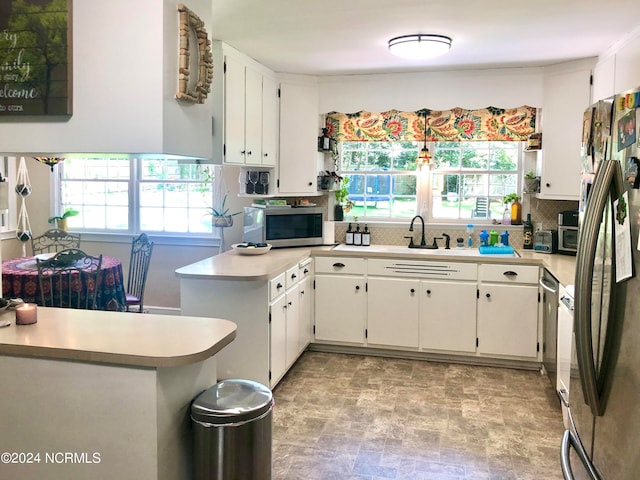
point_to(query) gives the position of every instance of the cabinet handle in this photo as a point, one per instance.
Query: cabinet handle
(428, 292)
(278, 286)
(413, 290)
(249, 152)
(310, 183)
(284, 307)
(289, 303)
(293, 276)
(357, 287)
(548, 184)
(243, 152)
(305, 271)
(488, 295)
(510, 273)
(266, 154)
(301, 292)
(339, 265)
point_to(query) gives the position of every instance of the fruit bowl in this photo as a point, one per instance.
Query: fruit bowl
(251, 248)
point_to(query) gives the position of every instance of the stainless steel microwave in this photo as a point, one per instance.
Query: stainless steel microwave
(283, 226)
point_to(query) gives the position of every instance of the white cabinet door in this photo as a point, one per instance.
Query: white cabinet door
(293, 325)
(234, 110)
(566, 96)
(393, 310)
(508, 320)
(305, 313)
(269, 121)
(340, 308)
(253, 117)
(448, 316)
(297, 165)
(278, 340)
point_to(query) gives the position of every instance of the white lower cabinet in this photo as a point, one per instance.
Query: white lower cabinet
(277, 339)
(448, 315)
(393, 312)
(508, 311)
(305, 330)
(292, 308)
(340, 299)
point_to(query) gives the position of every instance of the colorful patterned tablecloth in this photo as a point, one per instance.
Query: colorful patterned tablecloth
(20, 280)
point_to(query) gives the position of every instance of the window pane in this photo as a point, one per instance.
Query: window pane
(378, 160)
(502, 159)
(405, 160)
(354, 160)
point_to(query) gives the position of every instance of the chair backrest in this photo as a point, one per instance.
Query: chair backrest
(482, 208)
(54, 240)
(141, 249)
(70, 279)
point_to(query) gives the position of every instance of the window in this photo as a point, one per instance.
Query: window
(467, 180)
(383, 179)
(470, 179)
(133, 195)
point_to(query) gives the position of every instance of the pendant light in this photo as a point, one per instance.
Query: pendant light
(424, 158)
(51, 161)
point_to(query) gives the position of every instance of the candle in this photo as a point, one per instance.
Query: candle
(26, 314)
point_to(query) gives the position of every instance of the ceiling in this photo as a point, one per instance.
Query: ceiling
(336, 37)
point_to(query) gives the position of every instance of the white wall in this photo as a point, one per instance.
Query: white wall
(508, 87)
(125, 58)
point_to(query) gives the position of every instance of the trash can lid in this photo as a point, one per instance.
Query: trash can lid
(232, 401)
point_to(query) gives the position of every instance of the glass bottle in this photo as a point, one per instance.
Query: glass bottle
(366, 236)
(516, 213)
(349, 236)
(469, 235)
(357, 236)
(528, 233)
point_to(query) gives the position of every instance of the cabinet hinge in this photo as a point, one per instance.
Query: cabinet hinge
(269, 317)
(477, 293)
(269, 375)
(278, 183)
(278, 93)
(224, 150)
(538, 347)
(477, 342)
(366, 286)
(213, 132)
(314, 284)
(538, 297)
(366, 333)
(590, 79)
(314, 329)
(224, 67)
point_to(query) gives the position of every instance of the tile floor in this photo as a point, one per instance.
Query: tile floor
(349, 417)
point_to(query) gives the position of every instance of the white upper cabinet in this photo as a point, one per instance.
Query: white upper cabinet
(245, 110)
(567, 94)
(298, 160)
(125, 77)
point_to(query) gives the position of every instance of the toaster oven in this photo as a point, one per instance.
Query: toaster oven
(545, 241)
(568, 232)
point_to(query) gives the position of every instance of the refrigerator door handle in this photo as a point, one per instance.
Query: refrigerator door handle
(570, 441)
(607, 185)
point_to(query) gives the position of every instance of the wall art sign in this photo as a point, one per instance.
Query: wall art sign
(35, 57)
(195, 60)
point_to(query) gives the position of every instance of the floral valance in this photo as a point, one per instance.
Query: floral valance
(455, 125)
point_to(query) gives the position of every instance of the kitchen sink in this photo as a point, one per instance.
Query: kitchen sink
(440, 252)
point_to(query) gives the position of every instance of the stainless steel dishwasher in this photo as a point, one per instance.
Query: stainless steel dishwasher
(550, 294)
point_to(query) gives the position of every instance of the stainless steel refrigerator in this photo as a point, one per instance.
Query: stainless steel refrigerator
(603, 441)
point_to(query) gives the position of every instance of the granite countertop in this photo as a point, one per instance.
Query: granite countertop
(122, 338)
(234, 266)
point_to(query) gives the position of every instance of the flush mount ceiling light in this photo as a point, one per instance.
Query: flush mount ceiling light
(418, 46)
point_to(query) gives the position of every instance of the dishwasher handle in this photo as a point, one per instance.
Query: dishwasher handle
(549, 288)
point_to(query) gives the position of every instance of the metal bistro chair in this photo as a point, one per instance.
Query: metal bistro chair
(54, 240)
(70, 279)
(141, 249)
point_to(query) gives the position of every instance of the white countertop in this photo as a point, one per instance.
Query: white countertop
(138, 340)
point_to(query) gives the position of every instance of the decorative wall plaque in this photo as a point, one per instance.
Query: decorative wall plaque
(195, 65)
(35, 57)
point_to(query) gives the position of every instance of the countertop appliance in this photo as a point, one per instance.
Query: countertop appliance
(550, 300)
(568, 232)
(283, 226)
(604, 399)
(545, 241)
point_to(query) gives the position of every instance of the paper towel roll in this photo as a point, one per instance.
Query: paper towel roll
(329, 233)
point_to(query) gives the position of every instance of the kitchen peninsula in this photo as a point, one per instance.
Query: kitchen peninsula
(103, 395)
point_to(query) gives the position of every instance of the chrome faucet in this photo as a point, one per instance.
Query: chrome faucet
(423, 241)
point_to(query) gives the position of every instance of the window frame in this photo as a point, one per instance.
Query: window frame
(135, 181)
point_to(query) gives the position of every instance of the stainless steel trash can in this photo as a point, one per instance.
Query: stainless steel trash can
(232, 431)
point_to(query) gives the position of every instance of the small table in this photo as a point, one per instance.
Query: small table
(20, 280)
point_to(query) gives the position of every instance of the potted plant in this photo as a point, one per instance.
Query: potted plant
(343, 204)
(531, 182)
(220, 217)
(61, 220)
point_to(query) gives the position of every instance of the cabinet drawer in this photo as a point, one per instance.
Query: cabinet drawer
(509, 273)
(306, 268)
(344, 265)
(277, 286)
(423, 269)
(292, 276)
